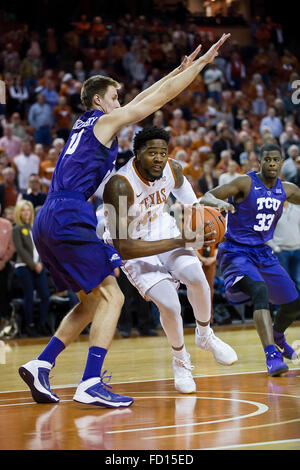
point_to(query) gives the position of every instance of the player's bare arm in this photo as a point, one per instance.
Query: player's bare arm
(187, 62)
(118, 194)
(238, 189)
(177, 171)
(110, 124)
(292, 192)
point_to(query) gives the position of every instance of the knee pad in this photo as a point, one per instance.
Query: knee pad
(257, 291)
(286, 315)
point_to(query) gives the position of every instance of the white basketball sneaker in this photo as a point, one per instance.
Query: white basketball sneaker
(183, 379)
(222, 352)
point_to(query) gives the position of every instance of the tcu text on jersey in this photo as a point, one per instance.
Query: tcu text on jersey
(264, 220)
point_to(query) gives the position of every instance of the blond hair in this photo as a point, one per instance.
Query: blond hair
(18, 209)
(98, 84)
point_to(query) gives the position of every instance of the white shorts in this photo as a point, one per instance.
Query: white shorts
(144, 273)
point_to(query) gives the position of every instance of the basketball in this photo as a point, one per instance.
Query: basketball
(214, 217)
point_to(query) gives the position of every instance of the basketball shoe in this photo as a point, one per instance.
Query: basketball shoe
(222, 352)
(283, 347)
(275, 364)
(94, 391)
(35, 374)
(183, 379)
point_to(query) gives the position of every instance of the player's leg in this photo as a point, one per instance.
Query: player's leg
(258, 292)
(185, 266)
(102, 304)
(164, 295)
(107, 301)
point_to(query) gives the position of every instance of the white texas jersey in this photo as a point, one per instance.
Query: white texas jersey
(151, 220)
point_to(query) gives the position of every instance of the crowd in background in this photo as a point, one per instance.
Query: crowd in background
(246, 98)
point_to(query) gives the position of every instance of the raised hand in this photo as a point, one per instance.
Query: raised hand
(188, 60)
(210, 55)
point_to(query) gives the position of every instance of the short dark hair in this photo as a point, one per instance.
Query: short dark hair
(149, 133)
(266, 148)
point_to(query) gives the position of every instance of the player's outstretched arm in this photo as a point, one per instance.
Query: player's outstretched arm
(133, 112)
(118, 199)
(292, 192)
(216, 197)
(187, 62)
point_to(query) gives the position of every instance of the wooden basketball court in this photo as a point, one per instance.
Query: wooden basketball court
(237, 407)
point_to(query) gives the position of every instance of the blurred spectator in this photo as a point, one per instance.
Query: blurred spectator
(10, 58)
(257, 93)
(18, 129)
(97, 69)
(10, 143)
(18, 97)
(97, 32)
(289, 168)
(30, 70)
(7, 251)
(223, 142)
(58, 144)
(79, 72)
(30, 271)
(208, 181)
(262, 65)
(287, 138)
(62, 114)
(8, 189)
(193, 170)
(25, 164)
(47, 168)
(39, 150)
(286, 241)
(125, 152)
(214, 80)
(41, 119)
(50, 93)
(178, 123)
(236, 71)
(296, 179)
(272, 122)
(34, 192)
(82, 29)
(75, 102)
(225, 158)
(230, 174)
(183, 142)
(51, 49)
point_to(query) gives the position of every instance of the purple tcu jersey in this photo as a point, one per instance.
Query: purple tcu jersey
(255, 218)
(84, 162)
(64, 229)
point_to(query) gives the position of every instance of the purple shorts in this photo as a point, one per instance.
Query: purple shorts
(64, 233)
(260, 264)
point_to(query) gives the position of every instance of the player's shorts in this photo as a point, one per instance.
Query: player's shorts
(260, 264)
(64, 233)
(146, 272)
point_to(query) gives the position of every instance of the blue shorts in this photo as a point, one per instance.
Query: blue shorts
(64, 233)
(260, 264)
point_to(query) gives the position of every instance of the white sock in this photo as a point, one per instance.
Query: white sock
(203, 330)
(181, 354)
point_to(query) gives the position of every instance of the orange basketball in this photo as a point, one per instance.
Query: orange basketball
(215, 219)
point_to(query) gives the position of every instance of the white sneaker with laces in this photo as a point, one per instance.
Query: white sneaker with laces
(222, 352)
(183, 379)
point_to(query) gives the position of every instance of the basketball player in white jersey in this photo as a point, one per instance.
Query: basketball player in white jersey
(143, 185)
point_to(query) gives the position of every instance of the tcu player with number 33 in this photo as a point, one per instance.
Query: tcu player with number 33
(250, 269)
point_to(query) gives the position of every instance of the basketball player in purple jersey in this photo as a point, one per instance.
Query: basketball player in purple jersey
(250, 269)
(65, 228)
